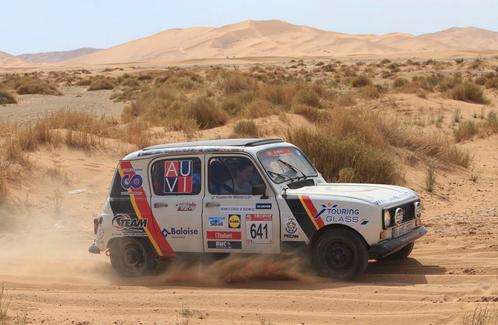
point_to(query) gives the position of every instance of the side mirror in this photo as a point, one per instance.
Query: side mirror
(259, 189)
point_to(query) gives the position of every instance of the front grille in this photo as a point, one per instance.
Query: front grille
(408, 208)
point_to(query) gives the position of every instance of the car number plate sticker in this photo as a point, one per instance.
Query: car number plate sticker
(403, 229)
(259, 228)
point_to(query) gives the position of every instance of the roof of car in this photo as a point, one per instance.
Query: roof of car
(202, 146)
(243, 142)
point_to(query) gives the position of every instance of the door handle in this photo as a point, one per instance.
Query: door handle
(160, 205)
(212, 204)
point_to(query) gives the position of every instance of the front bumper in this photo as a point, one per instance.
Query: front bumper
(390, 246)
(94, 249)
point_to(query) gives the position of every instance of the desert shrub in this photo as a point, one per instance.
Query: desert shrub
(234, 82)
(308, 96)
(371, 92)
(492, 83)
(360, 81)
(400, 82)
(102, 84)
(430, 178)
(469, 92)
(80, 140)
(207, 115)
(278, 94)
(331, 155)
(313, 114)
(130, 82)
(84, 82)
(155, 105)
(492, 121)
(258, 108)
(481, 80)
(6, 97)
(465, 131)
(245, 128)
(34, 85)
(137, 135)
(232, 106)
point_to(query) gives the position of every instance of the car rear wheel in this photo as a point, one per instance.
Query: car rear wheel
(399, 255)
(340, 254)
(132, 257)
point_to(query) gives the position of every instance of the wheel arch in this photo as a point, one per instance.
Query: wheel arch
(332, 227)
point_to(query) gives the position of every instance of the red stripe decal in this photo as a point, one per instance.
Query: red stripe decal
(145, 212)
(311, 208)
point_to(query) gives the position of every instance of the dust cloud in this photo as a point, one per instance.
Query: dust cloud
(50, 247)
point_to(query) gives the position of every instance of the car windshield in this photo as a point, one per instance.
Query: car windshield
(284, 164)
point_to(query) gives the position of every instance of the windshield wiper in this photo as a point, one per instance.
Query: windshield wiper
(295, 169)
(279, 175)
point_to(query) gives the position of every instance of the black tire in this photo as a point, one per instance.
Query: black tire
(133, 257)
(340, 253)
(399, 255)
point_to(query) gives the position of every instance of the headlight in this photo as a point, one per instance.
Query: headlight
(387, 219)
(418, 209)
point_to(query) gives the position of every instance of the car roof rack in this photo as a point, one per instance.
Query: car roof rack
(242, 142)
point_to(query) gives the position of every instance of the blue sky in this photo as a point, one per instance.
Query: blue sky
(36, 26)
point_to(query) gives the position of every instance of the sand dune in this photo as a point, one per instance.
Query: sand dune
(279, 38)
(56, 57)
(7, 60)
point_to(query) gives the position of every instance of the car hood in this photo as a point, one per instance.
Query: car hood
(376, 194)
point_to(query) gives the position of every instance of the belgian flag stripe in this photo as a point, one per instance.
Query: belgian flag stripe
(302, 216)
(143, 211)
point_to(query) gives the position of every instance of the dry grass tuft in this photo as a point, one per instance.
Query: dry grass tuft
(206, 114)
(245, 128)
(34, 85)
(469, 92)
(337, 157)
(102, 84)
(465, 131)
(6, 97)
(481, 316)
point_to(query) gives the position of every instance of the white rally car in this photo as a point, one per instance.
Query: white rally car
(249, 196)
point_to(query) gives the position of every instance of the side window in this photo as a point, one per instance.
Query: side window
(180, 176)
(232, 175)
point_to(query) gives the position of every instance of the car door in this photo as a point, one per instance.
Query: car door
(177, 191)
(235, 220)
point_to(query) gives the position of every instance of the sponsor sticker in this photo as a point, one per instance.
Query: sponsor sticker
(263, 206)
(259, 228)
(291, 229)
(185, 206)
(179, 232)
(216, 222)
(237, 209)
(225, 244)
(131, 182)
(127, 225)
(224, 235)
(178, 176)
(234, 221)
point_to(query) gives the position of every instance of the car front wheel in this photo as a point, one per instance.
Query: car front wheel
(340, 254)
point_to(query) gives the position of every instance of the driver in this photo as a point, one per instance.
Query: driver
(244, 172)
